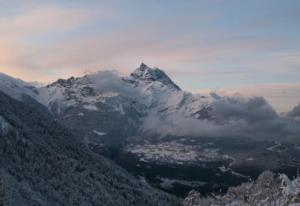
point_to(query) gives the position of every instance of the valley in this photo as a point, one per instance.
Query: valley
(179, 165)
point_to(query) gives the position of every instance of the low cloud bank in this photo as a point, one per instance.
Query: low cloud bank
(230, 117)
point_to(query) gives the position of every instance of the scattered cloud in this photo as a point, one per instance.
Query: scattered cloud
(42, 20)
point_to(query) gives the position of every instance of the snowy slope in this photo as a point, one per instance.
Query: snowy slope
(268, 189)
(16, 88)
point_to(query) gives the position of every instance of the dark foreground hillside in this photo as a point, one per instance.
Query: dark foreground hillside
(41, 163)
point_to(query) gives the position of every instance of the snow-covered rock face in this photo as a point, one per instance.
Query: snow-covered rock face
(63, 94)
(267, 190)
(150, 75)
(86, 92)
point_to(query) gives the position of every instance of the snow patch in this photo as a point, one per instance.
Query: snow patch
(99, 133)
(90, 107)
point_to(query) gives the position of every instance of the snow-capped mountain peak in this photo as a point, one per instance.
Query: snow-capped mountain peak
(147, 74)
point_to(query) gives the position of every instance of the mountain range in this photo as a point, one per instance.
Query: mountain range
(148, 102)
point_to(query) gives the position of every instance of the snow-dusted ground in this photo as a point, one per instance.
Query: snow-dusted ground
(175, 153)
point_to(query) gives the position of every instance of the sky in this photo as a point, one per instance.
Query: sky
(246, 46)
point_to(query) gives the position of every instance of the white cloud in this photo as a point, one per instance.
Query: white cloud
(282, 96)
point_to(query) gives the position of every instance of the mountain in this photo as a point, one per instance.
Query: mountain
(120, 107)
(160, 95)
(43, 163)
